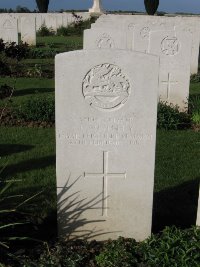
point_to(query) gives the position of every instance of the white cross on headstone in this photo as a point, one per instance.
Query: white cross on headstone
(97, 7)
(105, 175)
(169, 82)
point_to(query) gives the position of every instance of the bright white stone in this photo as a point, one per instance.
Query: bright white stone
(105, 139)
(8, 28)
(174, 50)
(28, 30)
(191, 24)
(104, 39)
(50, 21)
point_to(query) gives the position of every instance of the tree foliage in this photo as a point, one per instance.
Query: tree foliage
(42, 5)
(151, 6)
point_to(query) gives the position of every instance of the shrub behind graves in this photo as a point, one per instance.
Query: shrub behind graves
(194, 110)
(5, 91)
(170, 118)
(37, 109)
(44, 31)
(15, 51)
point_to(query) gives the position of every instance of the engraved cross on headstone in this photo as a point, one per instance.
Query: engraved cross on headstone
(105, 175)
(169, 82)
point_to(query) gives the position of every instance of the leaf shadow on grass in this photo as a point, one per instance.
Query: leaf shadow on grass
(28, 165)
(9, 149)
(72, 218)
(31, 91)
(176, 206)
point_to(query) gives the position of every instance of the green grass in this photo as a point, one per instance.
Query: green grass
(195, 89)
(27, 88)
(61, 43)
(28, 154)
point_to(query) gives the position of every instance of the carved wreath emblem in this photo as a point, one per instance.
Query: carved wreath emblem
(170, 46)
(105, 42)
(106, 87)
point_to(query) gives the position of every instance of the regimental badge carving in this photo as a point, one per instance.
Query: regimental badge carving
(145, 32)
(170, 46)
(106, 87)
(105, 42)
(7, 24)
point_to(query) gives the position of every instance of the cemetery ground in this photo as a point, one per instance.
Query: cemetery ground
(27, 148)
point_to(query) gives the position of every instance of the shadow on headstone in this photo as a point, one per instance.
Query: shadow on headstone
(70, 209)
(176, 206)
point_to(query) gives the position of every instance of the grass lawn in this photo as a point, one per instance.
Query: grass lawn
(27, 88)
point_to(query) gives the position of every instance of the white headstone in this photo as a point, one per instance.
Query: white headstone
(104, 39)
(174, 50)
(28, 30)
(8, 28)
(191, 24)
(105, 143)
(50, 21)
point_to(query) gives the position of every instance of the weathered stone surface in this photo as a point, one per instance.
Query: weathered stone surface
(174, 50)
(28, 30)
(8, 28)
(184, 23)
(106, 106)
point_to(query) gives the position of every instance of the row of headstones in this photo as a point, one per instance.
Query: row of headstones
(174, 39)
(106, 110)
(28, 23)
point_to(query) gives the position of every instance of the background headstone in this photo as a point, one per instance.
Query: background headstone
(174, 50)
(8, 28)
(105, 143)
(28, 30)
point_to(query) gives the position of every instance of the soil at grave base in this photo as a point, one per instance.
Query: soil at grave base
(8, 119)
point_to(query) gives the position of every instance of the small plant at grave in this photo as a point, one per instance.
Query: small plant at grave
(173, 247)
(194, 110)
(120, 252)
(63, 31)
(5, 91)
(5, 69)
(44, 31)
(12, 218)
(75, 28)
(195, 78)
(35, 72)
(2, 45)
(37, 109)
(170, 118)
(15, 51)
